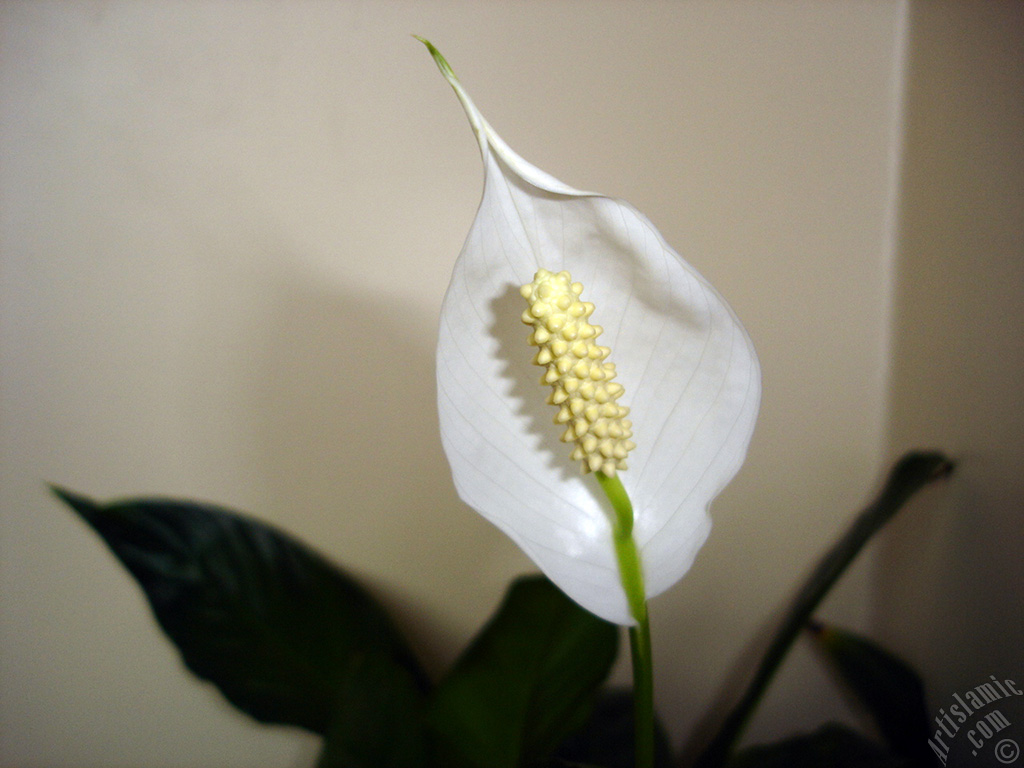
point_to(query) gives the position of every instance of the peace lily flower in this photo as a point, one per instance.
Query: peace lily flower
(685, 365)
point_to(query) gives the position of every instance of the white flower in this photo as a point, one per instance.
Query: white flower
(688, 367)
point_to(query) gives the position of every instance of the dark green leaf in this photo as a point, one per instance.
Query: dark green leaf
(277, 628)
(831, 746)
(526, 682)
(378, 717)
(608, 737)
(889, 689)
(911, 473)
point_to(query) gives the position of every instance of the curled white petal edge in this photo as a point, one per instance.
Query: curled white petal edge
(669, 543)
(489, 138)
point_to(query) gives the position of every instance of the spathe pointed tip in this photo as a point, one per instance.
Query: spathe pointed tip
(441, 61)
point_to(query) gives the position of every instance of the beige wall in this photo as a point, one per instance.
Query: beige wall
(226, 230)
(949, 584)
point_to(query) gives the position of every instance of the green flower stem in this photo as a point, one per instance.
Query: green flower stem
(643, 692)
(639, 635)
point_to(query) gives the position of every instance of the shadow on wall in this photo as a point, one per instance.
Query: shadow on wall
(950, 577)
(352, 455)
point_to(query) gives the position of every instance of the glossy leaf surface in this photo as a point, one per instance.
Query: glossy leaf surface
(276, 627)
(886, 686)
(377, 720)
(526, 682)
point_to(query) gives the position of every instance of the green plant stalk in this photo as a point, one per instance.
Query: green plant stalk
(912, 472)
(631, 573)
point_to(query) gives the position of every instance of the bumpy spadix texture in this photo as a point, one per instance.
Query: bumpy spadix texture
(687, 365)
(578, 371)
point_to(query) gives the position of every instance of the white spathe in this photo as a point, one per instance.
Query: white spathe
(689, 370)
